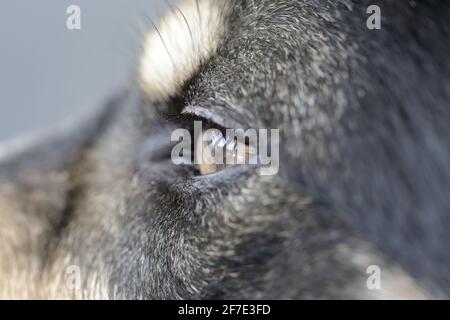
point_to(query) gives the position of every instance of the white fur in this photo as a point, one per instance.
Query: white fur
(173, 52)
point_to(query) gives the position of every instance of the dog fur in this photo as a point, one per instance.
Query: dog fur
(364, 164)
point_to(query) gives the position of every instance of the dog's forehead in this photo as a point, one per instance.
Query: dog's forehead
(225, 49)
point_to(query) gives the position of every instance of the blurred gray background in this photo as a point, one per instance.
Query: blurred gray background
(48, 72)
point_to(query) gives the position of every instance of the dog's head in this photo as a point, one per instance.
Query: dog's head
(363, 179)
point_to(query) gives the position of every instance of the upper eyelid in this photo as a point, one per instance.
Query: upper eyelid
(187, 120)
(226, 119)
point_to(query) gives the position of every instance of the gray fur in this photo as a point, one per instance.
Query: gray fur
(364, 164)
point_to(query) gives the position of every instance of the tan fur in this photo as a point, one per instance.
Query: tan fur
(26, 214)
(28, 211)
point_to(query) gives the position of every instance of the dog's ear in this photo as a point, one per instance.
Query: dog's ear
(56, 148)
(36, 178)
(36, 171)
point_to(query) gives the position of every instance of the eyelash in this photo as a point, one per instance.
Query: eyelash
(186, 121)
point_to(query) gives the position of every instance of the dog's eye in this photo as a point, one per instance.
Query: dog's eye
(215, 151)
